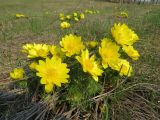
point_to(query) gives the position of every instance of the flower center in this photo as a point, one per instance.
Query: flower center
(88, 64)
(51, 73)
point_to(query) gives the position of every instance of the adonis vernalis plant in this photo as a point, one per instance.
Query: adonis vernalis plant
(76, 70)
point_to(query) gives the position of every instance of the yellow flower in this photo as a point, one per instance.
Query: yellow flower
(123, 35)
(86, 11)
(33, 65)
(82, 16)
(71, 45)
(76, 19)
(52, 72)
(89, 64)
(19, 15)
(17, 73)
(124, 68)
(61, 16)
(75, 14)
(36, 50)
(56, 51)
(27, 47)
(131, 52)
(68, 17)
(65, 25)
(109, 53)
(92, 44)
(90, 12)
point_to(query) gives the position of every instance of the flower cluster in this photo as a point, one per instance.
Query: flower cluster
(67, 19)
(72, 17)
(126, 37)
(52, 64)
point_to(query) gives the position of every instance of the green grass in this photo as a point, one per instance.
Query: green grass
(39, 27)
